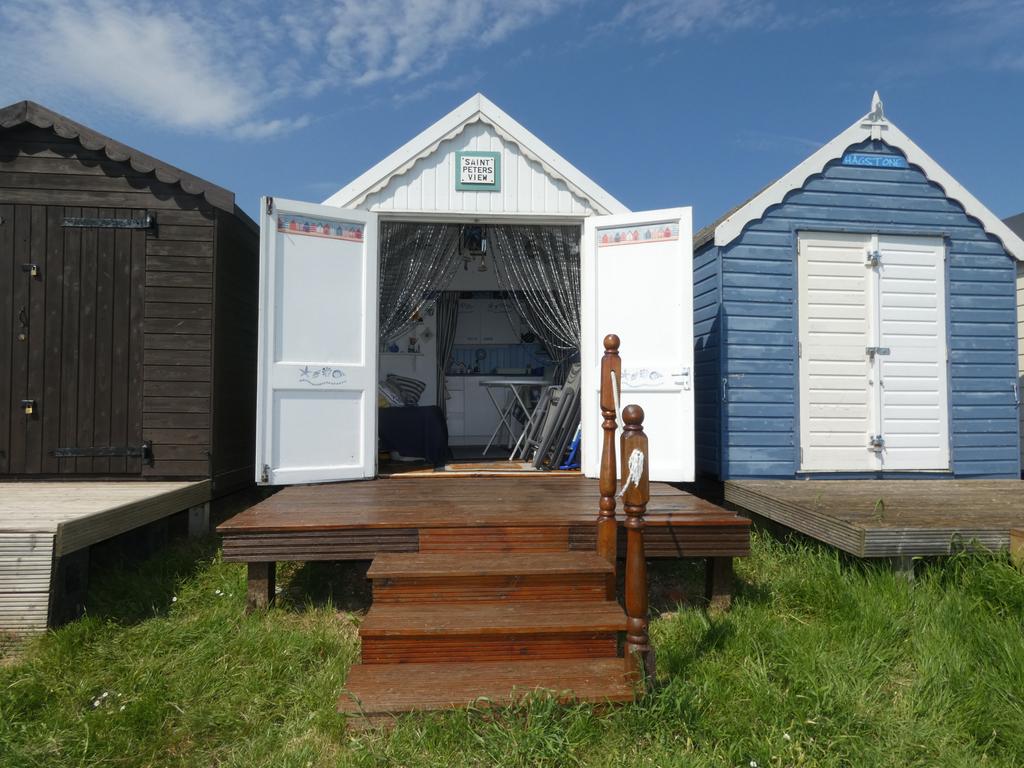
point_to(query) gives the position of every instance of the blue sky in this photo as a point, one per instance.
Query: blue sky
(661, 102)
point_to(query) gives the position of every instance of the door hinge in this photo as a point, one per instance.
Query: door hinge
(270, 206)
(265, 475)
(800, 349)
(143, 451)
(682, 378)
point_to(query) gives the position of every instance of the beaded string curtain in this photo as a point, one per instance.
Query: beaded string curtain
(417, 261)
(539, 268)
(447, 318)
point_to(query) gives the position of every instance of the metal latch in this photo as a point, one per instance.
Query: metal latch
(872, 351)
(28, 406)
(32, 269)
(877, 443)
(873, 259)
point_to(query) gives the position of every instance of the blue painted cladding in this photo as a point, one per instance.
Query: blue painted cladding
(757, 317)
(706, 353)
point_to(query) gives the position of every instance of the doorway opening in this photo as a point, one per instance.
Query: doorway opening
(479, 347)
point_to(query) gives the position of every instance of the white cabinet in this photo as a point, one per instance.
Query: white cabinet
(468, 326)
(496, 326)
(485, 321)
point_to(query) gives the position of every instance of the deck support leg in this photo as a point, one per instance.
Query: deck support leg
(69, 585)
(262, 585)
(199, 520)
(903, 567)
(1017, 547)
(718, 582)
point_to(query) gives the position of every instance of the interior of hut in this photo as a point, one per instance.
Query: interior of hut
(479, 347)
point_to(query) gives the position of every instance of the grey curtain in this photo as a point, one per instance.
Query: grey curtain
(417, 261)
(539, 268)
(447, 315)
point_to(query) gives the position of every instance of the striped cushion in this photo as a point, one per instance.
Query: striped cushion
(411, 389)
(389, 394)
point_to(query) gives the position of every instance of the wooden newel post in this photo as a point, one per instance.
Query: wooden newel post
(636, 473)
(607, 529)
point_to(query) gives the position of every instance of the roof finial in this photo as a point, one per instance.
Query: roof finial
(877, 113)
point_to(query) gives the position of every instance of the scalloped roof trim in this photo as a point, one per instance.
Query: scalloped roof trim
(30, 112)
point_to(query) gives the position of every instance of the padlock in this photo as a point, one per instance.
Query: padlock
(29, 406)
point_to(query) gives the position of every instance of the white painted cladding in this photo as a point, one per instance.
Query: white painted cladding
(847, 395)
(429, 185)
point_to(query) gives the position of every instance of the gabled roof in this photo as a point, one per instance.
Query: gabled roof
(476, 109)
(1016, 223)
(874, 125)
(35, 114)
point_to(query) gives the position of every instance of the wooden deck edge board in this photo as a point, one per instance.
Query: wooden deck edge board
(832, 530)
(80, 532)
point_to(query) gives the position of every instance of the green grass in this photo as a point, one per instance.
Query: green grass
(821, 662)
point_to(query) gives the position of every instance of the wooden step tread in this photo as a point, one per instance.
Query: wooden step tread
(455, 619)
(420, 565)
(377, 690)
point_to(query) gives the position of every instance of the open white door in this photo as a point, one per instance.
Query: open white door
(316, 415)
(637, 282)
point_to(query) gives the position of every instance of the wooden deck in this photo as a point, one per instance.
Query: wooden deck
(359, 520)
(890, 518)
(41, 522)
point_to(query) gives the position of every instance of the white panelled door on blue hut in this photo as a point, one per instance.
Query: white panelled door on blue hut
(873, 353)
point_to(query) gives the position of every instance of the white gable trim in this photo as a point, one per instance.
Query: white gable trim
(865, 128)
(476, 109)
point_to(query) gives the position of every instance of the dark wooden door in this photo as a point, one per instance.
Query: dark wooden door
(71, 306)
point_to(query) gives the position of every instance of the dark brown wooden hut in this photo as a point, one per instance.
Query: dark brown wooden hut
(128, 311)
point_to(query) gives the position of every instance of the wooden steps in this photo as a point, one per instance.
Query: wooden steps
(393, 634)
(489, 577)
(385, 690)
(446, 629)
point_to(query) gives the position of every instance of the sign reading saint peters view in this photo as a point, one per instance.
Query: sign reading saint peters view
(478, 171)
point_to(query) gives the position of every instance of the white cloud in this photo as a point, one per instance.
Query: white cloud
(390, 39)
(222, 67)
(270, 129)
(661, 19)
(158, 63)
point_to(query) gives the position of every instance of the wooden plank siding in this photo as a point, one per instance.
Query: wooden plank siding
(1020, 351)
(757, 386)
(124, 321)
(707, 299)
(234, 353)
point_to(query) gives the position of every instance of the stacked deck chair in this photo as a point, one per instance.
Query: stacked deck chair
(555, 423)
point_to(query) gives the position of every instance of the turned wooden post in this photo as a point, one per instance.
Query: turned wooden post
(607, 528)
(636, 473)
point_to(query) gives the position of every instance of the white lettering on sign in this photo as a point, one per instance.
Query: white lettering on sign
(476, 170)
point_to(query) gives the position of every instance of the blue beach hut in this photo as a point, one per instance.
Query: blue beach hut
(858, 318)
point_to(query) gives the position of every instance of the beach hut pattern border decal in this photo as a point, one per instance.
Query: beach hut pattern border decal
(305, 225)
(641, 235)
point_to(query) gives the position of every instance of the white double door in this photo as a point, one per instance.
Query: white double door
(873, 353)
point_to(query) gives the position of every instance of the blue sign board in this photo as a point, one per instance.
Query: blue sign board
(875, 161)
